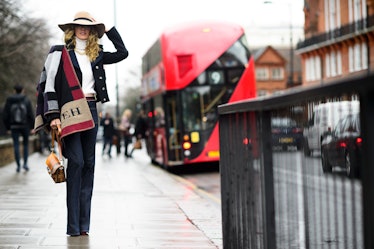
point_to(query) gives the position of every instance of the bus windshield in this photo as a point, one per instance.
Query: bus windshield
(213, 87)
(200, 112)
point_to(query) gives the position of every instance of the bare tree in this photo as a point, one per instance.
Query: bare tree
(23, 48)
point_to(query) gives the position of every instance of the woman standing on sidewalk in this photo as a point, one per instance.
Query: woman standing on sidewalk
(72, 81)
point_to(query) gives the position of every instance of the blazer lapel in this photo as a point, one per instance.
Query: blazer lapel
(73, 59)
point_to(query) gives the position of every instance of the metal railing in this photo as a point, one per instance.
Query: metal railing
(278, 190)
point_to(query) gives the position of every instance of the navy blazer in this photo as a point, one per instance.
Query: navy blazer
(101, 60)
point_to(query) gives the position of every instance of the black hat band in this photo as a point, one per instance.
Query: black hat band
(83, 18)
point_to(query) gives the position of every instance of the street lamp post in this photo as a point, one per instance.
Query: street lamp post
(291, 49)
(291, 61)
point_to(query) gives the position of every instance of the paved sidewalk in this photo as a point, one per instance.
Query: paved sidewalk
(135, 205)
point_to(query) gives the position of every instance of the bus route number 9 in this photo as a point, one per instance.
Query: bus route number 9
(216, 77)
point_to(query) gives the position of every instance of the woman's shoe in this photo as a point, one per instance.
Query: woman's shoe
(84, 233)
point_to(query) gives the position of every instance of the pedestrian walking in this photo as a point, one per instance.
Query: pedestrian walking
(116, 141)
(141, 131)
(125, 128)
(71, 84)
(108, 133)
(18, 118)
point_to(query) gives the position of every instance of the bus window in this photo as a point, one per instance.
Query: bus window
(237, 55)
(159, 117)
(200, 106)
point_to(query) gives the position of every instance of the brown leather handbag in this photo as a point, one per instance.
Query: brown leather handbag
(138, 144)
(54, 162)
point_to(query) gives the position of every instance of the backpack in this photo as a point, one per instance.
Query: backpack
(18, 113)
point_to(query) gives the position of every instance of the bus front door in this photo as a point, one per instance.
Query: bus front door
(174, 141)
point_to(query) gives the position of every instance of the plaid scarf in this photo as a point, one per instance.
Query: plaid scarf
(60, 95)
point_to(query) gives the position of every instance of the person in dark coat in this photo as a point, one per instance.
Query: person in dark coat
(141, 130)
(108, 133)
(19, 128)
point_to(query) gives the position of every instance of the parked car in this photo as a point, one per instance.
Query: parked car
(286, 133)
(323, 119)
(342, 146)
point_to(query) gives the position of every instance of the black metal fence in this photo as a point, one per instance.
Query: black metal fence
(297, 169)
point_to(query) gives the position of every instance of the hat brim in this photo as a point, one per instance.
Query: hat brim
(100, 27)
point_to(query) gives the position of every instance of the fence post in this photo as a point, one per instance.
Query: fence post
(367, 172)
(267, 180)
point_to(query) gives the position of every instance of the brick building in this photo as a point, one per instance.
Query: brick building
(274, 70)
(339, 40)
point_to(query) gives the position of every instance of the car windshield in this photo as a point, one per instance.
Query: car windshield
(350, 123)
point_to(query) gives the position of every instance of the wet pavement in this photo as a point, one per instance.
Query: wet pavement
(135, 205)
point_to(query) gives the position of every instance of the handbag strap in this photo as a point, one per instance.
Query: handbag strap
(55, 134)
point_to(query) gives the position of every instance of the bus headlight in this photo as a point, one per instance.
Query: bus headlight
(186, 145)
(187, 153)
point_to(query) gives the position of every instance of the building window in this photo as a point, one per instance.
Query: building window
(277, 73)
(356, 10)
(351, 59)
(327, 63)
(339, 63)
(262, 73)
(313, 68)
(364, 57)
(358, 56)
(332, 14)
(333, 63)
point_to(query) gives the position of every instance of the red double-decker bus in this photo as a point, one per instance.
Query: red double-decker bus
(186, 74)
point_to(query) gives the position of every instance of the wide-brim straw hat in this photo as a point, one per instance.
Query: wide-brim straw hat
(84, 18)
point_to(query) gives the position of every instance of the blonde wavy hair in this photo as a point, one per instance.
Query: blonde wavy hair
(127, 113)
(92, 49)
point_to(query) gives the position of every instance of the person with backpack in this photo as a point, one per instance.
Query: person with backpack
(18, 117)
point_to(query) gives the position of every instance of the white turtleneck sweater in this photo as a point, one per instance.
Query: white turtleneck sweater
(88, 80)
